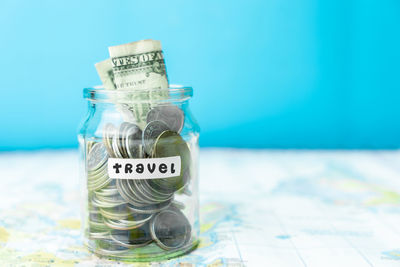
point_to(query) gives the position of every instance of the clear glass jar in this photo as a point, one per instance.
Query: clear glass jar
(139, 157)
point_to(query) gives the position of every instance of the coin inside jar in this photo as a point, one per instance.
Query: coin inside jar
(171, 115)
(151, 132)
(108, 133)
(133, 238)
(133, 141)
(170, 229)
(170, 144)
(97, 157)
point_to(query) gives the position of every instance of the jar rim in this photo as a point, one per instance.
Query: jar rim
(176, 93)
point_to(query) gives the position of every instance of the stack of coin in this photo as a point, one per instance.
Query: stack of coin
(129, 213)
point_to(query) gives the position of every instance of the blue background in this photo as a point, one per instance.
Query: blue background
(276, 74)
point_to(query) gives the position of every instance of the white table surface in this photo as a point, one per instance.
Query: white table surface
(258, 208)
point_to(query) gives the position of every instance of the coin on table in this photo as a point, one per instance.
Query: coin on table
(171, 115)
(169, 144)
(133, 238)
(150, 133)
(97, 156)
(170, 229)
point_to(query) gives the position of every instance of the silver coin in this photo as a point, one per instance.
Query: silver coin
(178, 205)
(133, 141)
(127, 193)
(98, 234)
(152, 190)
(99, 184)
(107, 191)
(170, 115)
(147, 193)
(141, 195)
(134, 238)
(109, 247)
(170, 144)
(150, 133)
(89, 145)
(97, 156)
(98, 227)
(108, 132)
(118, 212)
(100, 170)
(123, 128)
(170, 229)
(135, 193)
(113, 199)
(105, 204)
(98, 181)
(132, 222)
(150, 209)
(115, 146)
(95, 216)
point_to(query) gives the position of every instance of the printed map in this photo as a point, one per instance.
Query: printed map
(258, 208)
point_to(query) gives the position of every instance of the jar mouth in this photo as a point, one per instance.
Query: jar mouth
(175, 93)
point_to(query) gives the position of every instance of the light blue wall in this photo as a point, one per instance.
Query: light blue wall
(303, 74)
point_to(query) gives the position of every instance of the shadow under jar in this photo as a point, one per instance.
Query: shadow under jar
(139, 158)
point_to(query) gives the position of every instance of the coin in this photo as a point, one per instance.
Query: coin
(97, 227)
(97, 156)
(170, 115)
(132, 222)
(147, 193)
(98, 180)
(118, 212)
(133, 141)
(101, 203)
(122, 138)
(95, 216)
(110, 190)
(108, 132)
(115, 144)
(98, 234)
(133, 238)
(150, 133)
(170, 229)
(150, 209)
(110, 247)
(170, 144)
(127, 192)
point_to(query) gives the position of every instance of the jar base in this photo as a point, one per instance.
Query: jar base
(146, 254)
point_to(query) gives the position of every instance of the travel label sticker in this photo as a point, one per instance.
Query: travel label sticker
(151, 168)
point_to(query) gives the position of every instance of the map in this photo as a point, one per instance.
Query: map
(258, 208)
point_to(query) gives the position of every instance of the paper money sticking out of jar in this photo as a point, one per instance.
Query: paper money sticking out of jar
(136, 66)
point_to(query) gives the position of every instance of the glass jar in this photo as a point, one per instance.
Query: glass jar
(139, 157)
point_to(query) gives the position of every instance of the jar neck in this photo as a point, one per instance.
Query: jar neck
(177, 95)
